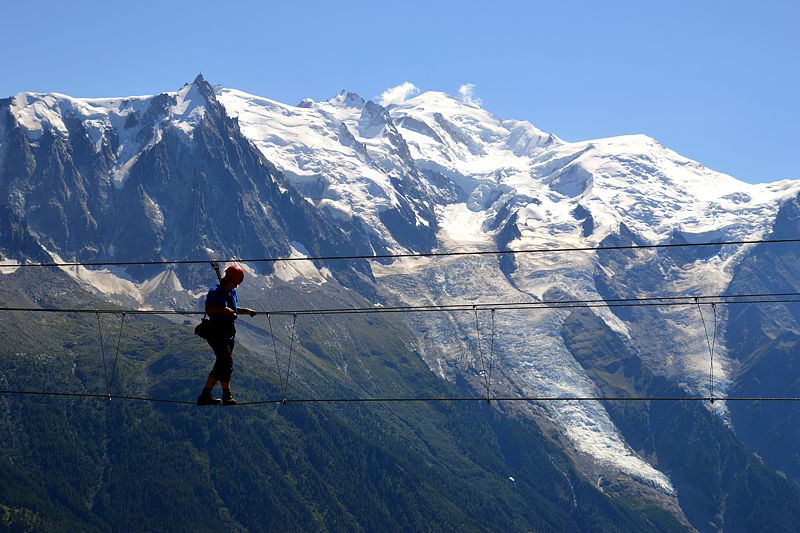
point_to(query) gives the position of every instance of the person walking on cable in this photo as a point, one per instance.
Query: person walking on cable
(222, 306)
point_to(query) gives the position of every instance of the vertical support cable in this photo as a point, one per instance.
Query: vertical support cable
(289, 364)
(102, 352)
(713, 346)
(275, 349)
(710, 346)
(116, 356)
(480, 354)
(491, 358)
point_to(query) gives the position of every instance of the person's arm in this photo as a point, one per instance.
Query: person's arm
(248, 311)
(216, 309)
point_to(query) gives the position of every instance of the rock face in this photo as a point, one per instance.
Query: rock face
(209, 172)
(160, 177)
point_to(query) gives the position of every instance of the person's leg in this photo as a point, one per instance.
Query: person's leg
(227, 396)
(218, 372)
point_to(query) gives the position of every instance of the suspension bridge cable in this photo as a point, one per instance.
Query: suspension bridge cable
(526, 399)
(491, 351)
(698, 300)
(713, 347)
(563, 398)
(289, 363)
(116, 355)
(95, 396)
(400, 255)
(275, 348)
(103, 354)
(480, 353)
(710, 346)
(650, 301)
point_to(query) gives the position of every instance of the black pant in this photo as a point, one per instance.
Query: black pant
(223, 350)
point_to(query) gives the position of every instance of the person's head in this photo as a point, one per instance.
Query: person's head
(234, 275)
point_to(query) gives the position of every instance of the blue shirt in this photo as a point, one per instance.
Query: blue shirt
(223, 298)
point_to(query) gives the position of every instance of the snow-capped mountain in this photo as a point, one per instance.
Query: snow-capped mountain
(513, 186)
(157, 176)
(141, 177)
(484, 157)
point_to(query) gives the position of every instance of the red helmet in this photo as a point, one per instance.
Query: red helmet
(235, 273)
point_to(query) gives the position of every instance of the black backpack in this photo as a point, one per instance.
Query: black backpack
(207, 329)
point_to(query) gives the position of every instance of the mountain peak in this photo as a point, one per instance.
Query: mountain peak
(190, 105)
(436, 98)
(203, 87)
(347, 99)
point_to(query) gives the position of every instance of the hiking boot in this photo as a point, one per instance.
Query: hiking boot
(227, 398)
(206, 398)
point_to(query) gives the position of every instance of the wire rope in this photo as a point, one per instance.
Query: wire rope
(491, 351)
(697, 300)
(116, 355)
(711, 344)
(404, 255)
(289, 363)
(413, 399)
(103, 355)
(656, 301)
(275, 349)
(484, 375)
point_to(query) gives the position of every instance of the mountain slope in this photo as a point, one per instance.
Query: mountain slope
(207, 172)
(116, 465)
(158, 177)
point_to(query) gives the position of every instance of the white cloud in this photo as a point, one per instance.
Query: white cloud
(467, 92)
(399, 94)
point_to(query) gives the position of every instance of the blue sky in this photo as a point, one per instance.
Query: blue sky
(717, 81)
